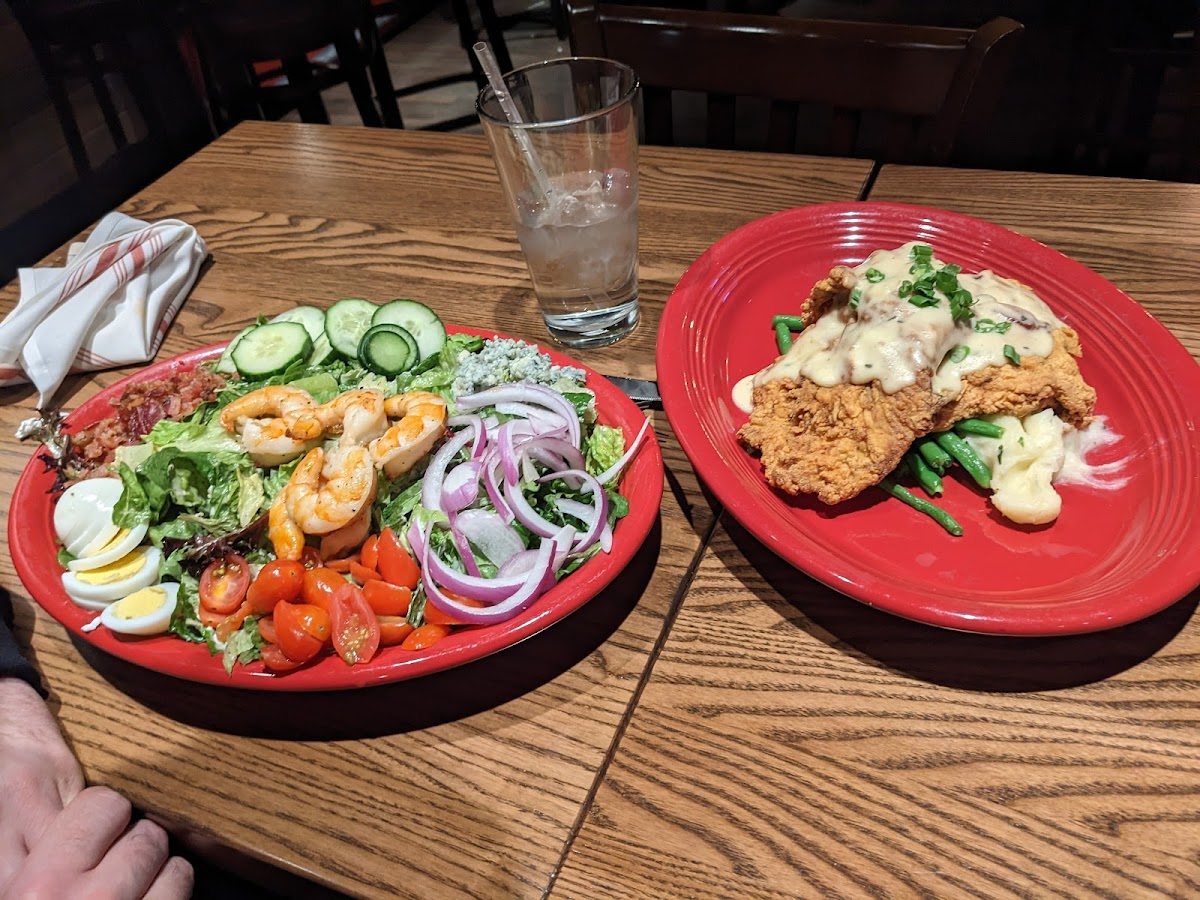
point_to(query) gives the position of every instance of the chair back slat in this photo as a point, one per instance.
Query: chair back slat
(658, 115)
(781, 126)
(854, 67)
(722, 120)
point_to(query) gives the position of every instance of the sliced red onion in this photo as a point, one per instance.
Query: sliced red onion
(569, 453)
(471, 421)
(605, 477)
(543, 420)
(562, 547)
(519, 563)
(526, 393)
(461, 486)
(525, 513)
(465, 553)
(487, 530)
(486, 590)
(492, 483)
(530, 590)
(416, 539)
(606, 536)
(431, 484)
(508, 451)
(592, 485)
(584, 512)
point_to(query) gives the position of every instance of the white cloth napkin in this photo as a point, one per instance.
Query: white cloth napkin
(110, 306)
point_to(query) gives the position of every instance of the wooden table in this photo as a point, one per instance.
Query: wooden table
(472, 782)
(792, 742)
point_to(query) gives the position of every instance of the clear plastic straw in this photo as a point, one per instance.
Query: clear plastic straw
(492, 70)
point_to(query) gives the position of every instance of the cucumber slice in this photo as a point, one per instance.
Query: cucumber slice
(346, 322)
(418, 320)
(269, 349)
(225, 363)
(388, 350)
(322, 351)
(312, 318)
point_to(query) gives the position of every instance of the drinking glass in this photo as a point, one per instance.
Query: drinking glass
(569, 174)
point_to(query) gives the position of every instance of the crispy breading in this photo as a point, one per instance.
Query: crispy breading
(1037, 383)
(834, 441)
(834, 289)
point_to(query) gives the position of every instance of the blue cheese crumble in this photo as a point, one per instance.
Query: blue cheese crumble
(503, 360)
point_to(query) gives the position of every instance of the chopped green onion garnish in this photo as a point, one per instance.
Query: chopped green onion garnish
(1011, 354)
(959, 353)
(906, 288)
(874, 276)
(961, 304)
(855, 296)
(986, 326)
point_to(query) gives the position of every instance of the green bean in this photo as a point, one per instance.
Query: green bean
(926, 477)
(936, 513)
(939, 460)
(794, 323)
(783, 337)
(979, 427)
(967, 457)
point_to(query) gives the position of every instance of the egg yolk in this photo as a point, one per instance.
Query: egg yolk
(121, 534)
(125, 567)
(140, 603)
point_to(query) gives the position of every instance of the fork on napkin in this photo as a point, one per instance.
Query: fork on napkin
(109, 307)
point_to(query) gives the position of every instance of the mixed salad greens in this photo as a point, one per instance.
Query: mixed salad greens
(519, 493)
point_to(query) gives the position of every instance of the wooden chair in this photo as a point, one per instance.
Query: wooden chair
(1134, 105)
(237, 34)
(106, 42)
(896, 93)
(468, 34)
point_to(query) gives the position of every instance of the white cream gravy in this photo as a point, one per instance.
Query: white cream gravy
(890, 340)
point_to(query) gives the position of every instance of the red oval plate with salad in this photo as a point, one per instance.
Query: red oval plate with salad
(34, 548)
(1111, 558)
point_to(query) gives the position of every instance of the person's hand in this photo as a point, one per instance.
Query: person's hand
(58, 839)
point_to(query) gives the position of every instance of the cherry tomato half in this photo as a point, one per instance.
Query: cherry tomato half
(434, 616)
(311, 558)
(395, 564)
(393, 630)
(223, 584)
(387, 599)
(424, 637)
(275, 660)
(320, 585)
(369, 553)
(279, 581)
(266, 628)
(355, 626)
(302, 630)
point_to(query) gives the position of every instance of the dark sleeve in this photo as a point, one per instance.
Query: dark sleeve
(12, 663)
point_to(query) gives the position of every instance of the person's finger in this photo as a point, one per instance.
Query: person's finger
(83, 832)
(132, 863)
(174, 882)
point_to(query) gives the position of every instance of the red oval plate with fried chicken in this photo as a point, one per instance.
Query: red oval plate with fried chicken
(1111, 558)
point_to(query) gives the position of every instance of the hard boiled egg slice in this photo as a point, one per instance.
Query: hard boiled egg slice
(83, 514)
(144, 612)
(96, 588)
(121, 543)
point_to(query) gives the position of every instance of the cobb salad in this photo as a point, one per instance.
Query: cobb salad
(338, 481)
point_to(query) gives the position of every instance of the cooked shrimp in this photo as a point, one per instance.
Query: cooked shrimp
(422, 421)
(263, 421)
(286, 536)
(278, 401)
(328, 490)
(358, 415)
